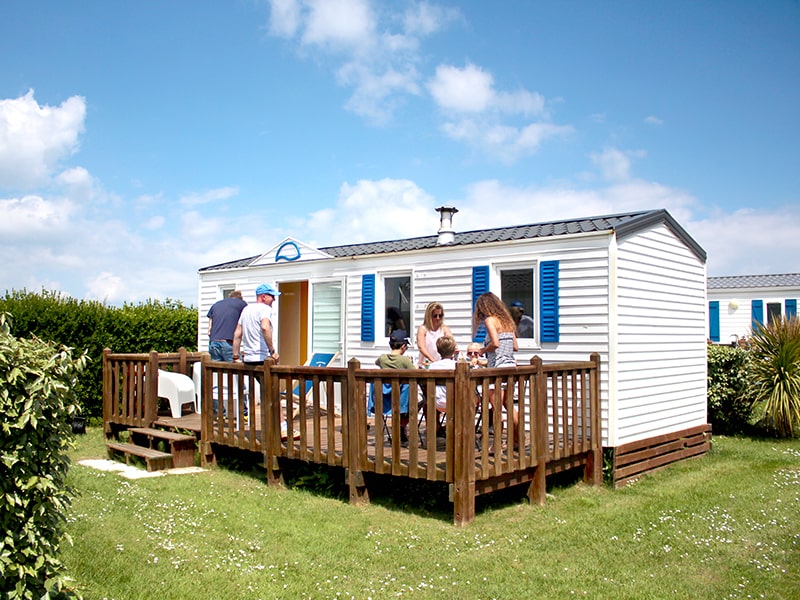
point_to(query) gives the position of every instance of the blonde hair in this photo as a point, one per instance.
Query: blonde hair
(489, 305)
(428, 320)
(446, 346)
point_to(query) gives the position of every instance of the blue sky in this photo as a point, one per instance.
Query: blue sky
(140, 142)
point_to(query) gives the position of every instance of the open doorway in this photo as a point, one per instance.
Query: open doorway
(293, 322)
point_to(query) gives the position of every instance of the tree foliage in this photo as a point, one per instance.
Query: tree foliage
(37, 380)
(775, 375)
(91, 326)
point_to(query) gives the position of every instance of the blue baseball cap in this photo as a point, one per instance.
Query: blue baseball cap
(518, 304)
(399, 335)
(266, 288)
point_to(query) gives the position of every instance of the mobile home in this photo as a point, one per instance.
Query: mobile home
(631, 287)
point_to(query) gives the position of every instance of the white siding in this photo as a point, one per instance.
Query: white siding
(661, 341)
(735, 317)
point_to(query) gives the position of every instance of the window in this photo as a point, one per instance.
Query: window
(226, 292)
(773, 312)
(326, 329)
(517, 291)
(397, 303)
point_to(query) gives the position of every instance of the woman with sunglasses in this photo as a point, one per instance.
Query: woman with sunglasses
(429, 332)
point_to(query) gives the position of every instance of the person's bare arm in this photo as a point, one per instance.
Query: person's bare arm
(491, 333)
(237, 341)
(423, 350)
(209, 326)
(266, 331)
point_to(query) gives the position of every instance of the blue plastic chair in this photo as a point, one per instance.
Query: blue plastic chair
(387, 403)
(318, 359)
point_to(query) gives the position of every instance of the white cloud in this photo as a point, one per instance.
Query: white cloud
(34, 139)
(31, 217)
(504, 142)
(339, 23)
(474, 109)
(652, 120)
(472, 90)
(749, 241)
(375, 210)
(209, 196)
(467, 90)
(423, 19)
(375, 51)
(284, 17)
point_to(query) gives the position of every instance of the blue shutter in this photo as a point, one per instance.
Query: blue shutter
(548, 301)
(756, 313)
(368, 308)
(713, 321)
(791, 307)
(480, 285)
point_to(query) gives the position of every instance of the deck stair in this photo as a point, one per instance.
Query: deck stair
(143, 444)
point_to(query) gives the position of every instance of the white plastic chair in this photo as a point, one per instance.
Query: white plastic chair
(178, 389)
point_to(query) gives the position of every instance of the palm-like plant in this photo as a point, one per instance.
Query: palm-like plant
(775, 371)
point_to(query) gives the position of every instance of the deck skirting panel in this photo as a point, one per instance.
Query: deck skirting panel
(652, 454)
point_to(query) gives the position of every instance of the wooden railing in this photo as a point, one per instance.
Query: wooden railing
(130, 397)
(503, 427)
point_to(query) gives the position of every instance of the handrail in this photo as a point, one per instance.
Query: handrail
(504, 426)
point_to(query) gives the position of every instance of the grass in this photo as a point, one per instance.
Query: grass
(723, 526)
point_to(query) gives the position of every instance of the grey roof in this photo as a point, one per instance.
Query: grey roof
(754, 281)
(623, 224)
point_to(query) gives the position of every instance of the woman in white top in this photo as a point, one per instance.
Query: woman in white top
(429, 332)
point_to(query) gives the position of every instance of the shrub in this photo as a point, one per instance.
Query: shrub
(730, 404)
(775, 375)
(91, 326)
(36, 402)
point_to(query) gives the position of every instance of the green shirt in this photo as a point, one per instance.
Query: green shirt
(394, 361)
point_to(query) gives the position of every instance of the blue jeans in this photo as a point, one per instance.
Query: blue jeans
(221, 351)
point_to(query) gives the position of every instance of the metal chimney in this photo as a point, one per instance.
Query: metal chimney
(447, 234)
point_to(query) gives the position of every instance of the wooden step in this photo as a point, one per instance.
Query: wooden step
(154, 459)
(182, 447)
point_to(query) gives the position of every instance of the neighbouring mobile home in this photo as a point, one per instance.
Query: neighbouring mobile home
(737, 304)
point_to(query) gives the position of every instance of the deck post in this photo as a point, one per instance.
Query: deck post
(108, 402)
(182, 362)
(207, 455)
(594, 465)
(464, 449)
(271, 420)
(150, 409)
(537, 494)
(355, 407)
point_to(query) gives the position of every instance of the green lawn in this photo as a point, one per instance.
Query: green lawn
(723, 526)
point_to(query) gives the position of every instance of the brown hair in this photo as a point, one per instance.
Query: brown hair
(236, 294)
(445, 346)
(489, 305)
(428, 320)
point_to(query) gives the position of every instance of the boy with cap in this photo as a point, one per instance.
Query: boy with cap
(396, 359)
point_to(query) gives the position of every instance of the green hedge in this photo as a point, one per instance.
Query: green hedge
(90, 326)
(730, 403)
(37, 380)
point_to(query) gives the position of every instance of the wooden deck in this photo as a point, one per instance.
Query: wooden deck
(558, 426)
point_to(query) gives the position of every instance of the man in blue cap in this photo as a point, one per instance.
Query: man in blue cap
(523, 321)
(252, 340)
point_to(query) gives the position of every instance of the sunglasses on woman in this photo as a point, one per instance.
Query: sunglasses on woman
(473, 354)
